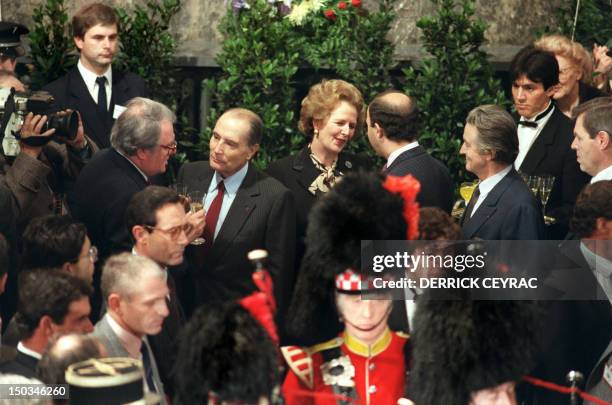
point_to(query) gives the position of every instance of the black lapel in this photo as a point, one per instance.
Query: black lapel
(304, 168)
(243, 205)
(539, 150)
(488, 206)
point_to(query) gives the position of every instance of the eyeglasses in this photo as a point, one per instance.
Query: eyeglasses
(174, 233)
(170, 148)
(92, 253)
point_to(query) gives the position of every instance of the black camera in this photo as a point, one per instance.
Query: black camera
(15, 106)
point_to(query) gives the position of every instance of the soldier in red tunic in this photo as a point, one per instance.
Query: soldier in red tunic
(365, 363)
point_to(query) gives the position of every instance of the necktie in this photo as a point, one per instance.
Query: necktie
(146, 363)
(212, 216)
(101, 82)
(472, 203)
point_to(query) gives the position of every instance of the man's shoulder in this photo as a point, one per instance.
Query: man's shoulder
(268, 184)
(60, 83)
(126, 76)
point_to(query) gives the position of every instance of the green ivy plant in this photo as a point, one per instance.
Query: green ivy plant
(52, 47)
(147, 47)
(454, 79)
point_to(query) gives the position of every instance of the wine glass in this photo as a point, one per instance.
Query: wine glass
(545, 187)
(466, 189)
(196, 203)
(181, 190)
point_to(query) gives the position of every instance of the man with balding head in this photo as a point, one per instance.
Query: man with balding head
(593, 138)
(245, 210)
(392, 121)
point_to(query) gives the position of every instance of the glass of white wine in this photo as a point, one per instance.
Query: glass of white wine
(196, 203)
(545, 185)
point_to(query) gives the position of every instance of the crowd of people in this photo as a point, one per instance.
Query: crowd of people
(117, 285)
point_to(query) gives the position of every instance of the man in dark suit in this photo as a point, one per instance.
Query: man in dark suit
(392, 121)
(545, 134)
(93, 88)
(246, 210)
(51, 303)
(502, 207)
(159, 226)
(135, 290)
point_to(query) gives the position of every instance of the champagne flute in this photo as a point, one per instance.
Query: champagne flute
(545, 187)
(181, 190)
(196, 203)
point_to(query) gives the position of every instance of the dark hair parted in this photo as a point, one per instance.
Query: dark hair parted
(323, 98)
(593, 202)
(51, 241)
(435, 224)
(596, 115)
(47, 292)
(143, 206)
(91, 15)
(254, 120)
(397, 115)
(496, 132)
(537, 65)
(224, 351)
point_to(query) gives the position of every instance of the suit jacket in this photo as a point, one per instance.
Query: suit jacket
(101, 195)
(509, 212)
(551, 154)
(436, 184)
(22, 364)
(262, 216)
(70, 91)
(114, 348)
(595, 384)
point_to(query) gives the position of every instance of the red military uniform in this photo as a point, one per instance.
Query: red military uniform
(379, 371)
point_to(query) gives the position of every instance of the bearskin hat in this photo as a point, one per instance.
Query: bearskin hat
(463, 346)
(225, 351)
(358, 208)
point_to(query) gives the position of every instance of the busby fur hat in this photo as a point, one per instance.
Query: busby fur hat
(358, 208)
(225, 351)
(464, 346)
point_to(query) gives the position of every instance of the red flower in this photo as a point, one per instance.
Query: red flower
(356, 3)
(342, 5)
(407, 187)
(330, 14)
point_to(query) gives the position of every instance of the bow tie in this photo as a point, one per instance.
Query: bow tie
(534, 123)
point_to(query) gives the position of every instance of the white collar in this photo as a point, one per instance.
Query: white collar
(399, 151)
(133, 164)
(131, 343)
(90, 77)
(28, 352)
(605, 174)
(486, 185)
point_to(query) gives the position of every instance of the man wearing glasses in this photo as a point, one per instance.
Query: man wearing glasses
(159, 225)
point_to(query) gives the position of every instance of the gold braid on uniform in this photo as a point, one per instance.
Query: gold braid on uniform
(327, 179)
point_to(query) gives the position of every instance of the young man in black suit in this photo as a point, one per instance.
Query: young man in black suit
(545, 134)
(245, 210)
(93, 87)
(392, 121)
(502, 207)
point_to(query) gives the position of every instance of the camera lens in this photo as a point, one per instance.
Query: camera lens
(66, 125)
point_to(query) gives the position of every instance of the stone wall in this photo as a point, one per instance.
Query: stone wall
(512, 23)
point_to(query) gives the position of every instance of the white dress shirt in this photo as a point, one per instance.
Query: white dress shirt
(488, 184)
(90, 77)
(399, 151)
(527, 135)
(605, 174)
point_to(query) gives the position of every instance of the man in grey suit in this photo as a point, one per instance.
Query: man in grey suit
(245, 210)
(392, 120)
(502, 207)
(135, 291)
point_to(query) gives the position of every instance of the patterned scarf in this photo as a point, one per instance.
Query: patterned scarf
(327, 179)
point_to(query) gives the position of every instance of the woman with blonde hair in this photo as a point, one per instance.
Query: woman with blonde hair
(575, 72)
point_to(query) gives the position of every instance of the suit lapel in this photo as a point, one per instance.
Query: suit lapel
(539, 150)
(306, 172)
(243, 205)
(488, 206)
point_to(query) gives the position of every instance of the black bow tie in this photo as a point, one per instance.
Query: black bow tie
(534, 123)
